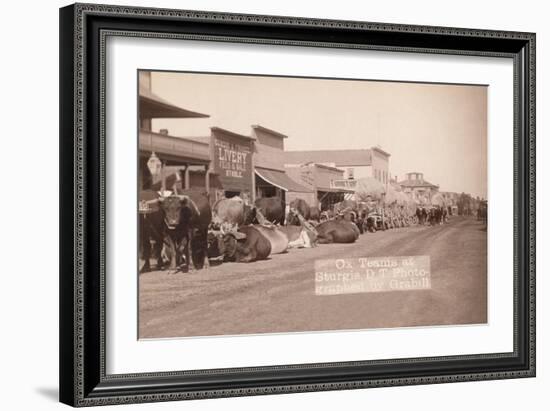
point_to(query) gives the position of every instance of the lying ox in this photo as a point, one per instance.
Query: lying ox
(337, 231)
(247, 244)
(278, 239)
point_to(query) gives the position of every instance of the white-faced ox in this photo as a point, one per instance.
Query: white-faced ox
(231, 211)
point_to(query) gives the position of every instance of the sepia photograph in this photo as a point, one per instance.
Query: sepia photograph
(275, 204)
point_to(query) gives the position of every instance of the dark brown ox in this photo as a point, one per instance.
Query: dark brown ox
(249, 243)
(186, 220)
(314, 214)
(151, 233)
(337, 231)
(272, 208)
(302, 207)
(246, 245)
(346, 205)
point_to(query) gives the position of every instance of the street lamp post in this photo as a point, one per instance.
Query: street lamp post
(155, 166)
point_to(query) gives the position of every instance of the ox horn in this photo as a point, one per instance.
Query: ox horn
(238, 235)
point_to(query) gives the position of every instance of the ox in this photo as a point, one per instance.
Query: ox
(421, 215)
(150, 229)
(232, 211)
(250, 243)
(302, 207)
(184, 228)
(435, 215)
(304, 235)
(314, 214)
(273, 208)
(346, 205)
(278, 240)
(337, 231)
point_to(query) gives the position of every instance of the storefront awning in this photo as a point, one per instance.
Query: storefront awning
(281, 180)
(334, 190)
(152, 106)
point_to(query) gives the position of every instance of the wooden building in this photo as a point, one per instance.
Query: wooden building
(319, 178)
(355, 164)
(271, 179)
(175, 152)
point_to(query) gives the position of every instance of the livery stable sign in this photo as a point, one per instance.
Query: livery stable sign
(232, 160)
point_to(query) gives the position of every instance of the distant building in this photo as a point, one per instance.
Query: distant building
(417, 187)
(319, 179)
(355, 164)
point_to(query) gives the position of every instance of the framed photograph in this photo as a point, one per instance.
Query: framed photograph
(262, 204)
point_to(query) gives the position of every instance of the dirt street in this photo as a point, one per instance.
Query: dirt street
(278, 295)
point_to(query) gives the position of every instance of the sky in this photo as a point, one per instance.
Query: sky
(437, 129)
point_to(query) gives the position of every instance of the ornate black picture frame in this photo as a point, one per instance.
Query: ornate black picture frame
(83, 31)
